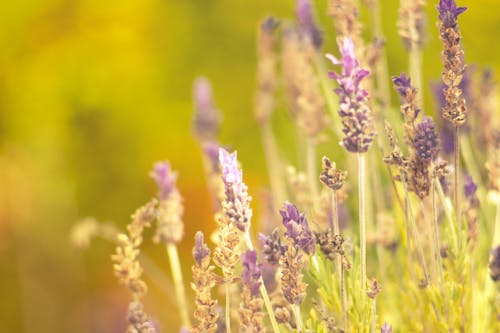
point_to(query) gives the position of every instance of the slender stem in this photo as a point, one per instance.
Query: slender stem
(273, 164)
(458, 209)
(228, 307)
(374, 316)
(362, 217)
(448, 209)
(263, 291)
(340, 269)
(327, 88)
(437, 247)
(298, 318)
(311, 170)
(343, 298)
(416, 233)
(175, 266)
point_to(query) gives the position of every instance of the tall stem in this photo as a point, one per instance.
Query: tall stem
(273, 164)
(435, 234)
(362, 217)
(228, 307)
(458, 209)
(312, 178)
(374, 316)
(175, 266)
(415, 232)
(263, 291)
(343, 298)
(298, 318)
(448, 209)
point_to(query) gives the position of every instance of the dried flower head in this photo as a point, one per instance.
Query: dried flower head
(374, 289)
(305, 16)
(452, 55)
(345, 15)
(297, 228)
(236, 207)
(354, 111)
(292, 262)
(203, 281)
(206, 115)
(170, 228)
(331, 176)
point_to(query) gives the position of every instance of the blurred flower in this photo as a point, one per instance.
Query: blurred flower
(331, 176)
(164, 177)
(206, 115)
(386, 328)
(271, 247)
(200, 250)
(236, 207)
(494, 264)
(304, 13)
(469, 187)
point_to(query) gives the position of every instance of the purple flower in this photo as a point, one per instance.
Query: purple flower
(206, 116)
(237, 204)
(251, 271)
(426, 141)
(164, 177)
(469, 188)
(211, 151)
(354, 111)
(304, 13)
(269, 24)
(494, 264)
(386, 328)
(297, 228)
(200, 249)
(448, 12)
(402, 83)
(271, 247)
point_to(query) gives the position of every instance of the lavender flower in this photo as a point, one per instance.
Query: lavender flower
(426, 141)
(251, 271)
(211, 151)
(206, 116)
(386, 328)
(237, 204)
(304, 13)
(200, 249)
(402, 83)
(448, 12)
(271, 247)
(469, 188)
(297, 228)
(164, 177)
(356, 117)
(170, 228)
(494, 264)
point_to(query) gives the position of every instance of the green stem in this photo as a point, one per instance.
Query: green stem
(374, 316)
(415, 232)
(435, 234)
(448, 209)
(298, 318)
(228, 307)
(327, 88)
(458, 209)
(263, 291)
(273, 164)
(175, 267)
(362, 217)
(343, 298)
(311, 171)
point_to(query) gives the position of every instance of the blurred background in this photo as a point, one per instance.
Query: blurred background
(93, 92)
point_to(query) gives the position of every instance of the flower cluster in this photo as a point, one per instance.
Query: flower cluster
(354, 110)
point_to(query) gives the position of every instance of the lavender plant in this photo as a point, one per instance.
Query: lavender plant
(300, 278)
